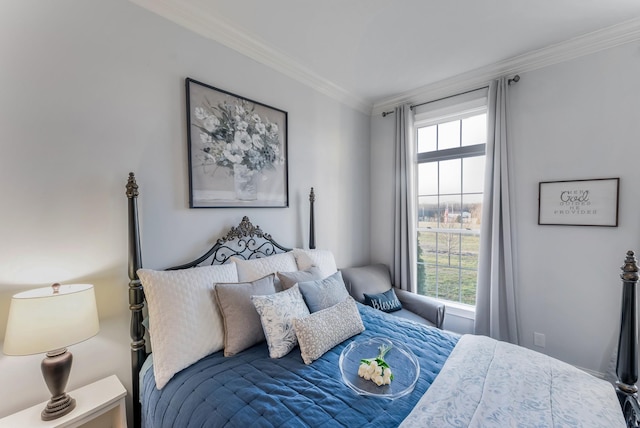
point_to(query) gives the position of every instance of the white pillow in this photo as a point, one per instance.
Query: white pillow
(323, 259)
(250, 270)
(183, 316)
(277, 312)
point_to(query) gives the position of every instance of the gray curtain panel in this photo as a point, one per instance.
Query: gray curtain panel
(404, 235)
(495, 301)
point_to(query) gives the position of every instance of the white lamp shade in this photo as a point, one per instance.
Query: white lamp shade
(42, 321)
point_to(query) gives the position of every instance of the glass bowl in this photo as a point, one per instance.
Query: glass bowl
(403, 363)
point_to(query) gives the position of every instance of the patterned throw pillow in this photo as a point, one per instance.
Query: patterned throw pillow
(323, 293)
(277, 312)
(386, 302)
(183, 316)
(327, 328)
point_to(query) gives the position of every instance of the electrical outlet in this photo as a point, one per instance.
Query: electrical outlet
(539, 339)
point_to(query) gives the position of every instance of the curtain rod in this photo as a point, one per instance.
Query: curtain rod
(515, 79)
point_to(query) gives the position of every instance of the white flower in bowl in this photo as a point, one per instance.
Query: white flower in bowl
(376, 369)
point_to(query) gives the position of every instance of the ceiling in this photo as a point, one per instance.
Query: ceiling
(373, 50)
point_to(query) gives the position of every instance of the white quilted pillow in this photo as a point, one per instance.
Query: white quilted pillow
(250, 270)
(183, 316)
(323, 259)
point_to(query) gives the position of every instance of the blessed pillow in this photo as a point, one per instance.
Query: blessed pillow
(183, 316)
(387, 301)
(323, 293)
(277, 312)
(323, 259)
(242, 327)
(289, 279)
(327, 328)
(250, 270)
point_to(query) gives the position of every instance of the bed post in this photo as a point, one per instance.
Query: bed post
(136, 298)
(627, 361)
(312, 228)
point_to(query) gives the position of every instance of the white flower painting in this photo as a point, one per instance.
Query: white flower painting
(237, 150)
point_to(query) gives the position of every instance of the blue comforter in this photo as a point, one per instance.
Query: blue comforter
(251, 390)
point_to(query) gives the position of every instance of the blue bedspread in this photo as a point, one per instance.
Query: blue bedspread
(251, 390)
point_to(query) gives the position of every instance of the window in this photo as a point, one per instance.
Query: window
(450, 181)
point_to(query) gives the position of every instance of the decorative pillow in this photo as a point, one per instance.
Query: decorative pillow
(250, 270)
(323, 259)
(387, 301)
(289, 279)
(323, 293)
(327, 328)
(277, 312)
(183, 316)
(370, 279)
(242, 328)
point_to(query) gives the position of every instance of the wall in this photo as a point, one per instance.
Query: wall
(92, 90)
(573, 120)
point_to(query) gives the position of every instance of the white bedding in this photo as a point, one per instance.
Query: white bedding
(486, 383)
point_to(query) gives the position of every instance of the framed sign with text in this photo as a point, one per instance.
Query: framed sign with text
(579, 202)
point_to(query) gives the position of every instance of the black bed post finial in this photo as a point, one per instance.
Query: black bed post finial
(627, 364)
(312, 228)
(136, 296)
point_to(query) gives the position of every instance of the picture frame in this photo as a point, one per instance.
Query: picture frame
(237, 150)
(590, 202)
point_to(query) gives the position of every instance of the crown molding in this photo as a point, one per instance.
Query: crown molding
(207, 25)
(626, 32)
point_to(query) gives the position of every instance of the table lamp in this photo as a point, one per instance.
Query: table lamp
(48, 320)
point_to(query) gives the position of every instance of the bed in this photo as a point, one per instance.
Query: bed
(211, 366)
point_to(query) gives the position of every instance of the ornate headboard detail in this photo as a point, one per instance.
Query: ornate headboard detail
(245, 241)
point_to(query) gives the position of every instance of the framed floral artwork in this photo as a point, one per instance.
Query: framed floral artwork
(237, 150)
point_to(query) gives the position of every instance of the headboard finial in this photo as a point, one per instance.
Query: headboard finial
(132, 186)
(630, 268)
(312, 227)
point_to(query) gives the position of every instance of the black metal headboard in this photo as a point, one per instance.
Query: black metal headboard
(245, 241)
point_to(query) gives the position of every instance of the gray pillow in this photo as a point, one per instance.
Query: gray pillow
(242, 327)
(289, 279)
(323, 293)
(327, 328)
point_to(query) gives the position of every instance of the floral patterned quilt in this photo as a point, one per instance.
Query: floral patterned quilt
(486, 383)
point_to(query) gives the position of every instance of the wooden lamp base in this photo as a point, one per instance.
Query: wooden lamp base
(55, 369)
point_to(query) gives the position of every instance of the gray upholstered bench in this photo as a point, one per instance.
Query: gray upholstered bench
(376, 279)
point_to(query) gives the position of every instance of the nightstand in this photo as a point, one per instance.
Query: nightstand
(92, 402)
